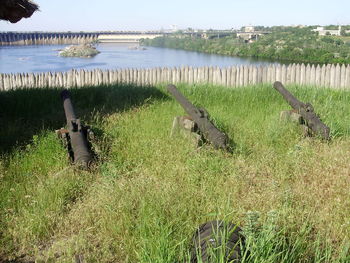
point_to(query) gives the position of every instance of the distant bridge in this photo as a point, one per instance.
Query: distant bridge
(127, 37)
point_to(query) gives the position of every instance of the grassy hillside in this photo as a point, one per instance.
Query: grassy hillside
(148, 192)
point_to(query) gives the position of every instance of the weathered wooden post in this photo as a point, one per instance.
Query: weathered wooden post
(250, 74)
(307, 74)
(224, 77)
(332, 77)
(347, 77)
(105, 77)
(233, 82)
(318, 76)
(139, 78)
(312, 75)
(206, 75)
(190, 75)
(337, 76)
(169, 74)
(143, 77)
(343, 76)
(1, 82)
(283, 73)
(306, 111)
(245, 75)
(136, 72)
(302, 74)
(195, 75)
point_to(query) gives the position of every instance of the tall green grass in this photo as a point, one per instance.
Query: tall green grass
(149, 192)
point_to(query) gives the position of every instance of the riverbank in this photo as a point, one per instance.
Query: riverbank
(289, 193)
(300, 45)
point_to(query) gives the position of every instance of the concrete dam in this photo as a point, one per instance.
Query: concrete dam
(63, 38)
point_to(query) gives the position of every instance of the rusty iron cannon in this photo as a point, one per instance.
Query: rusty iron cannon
(306, 111)
(201, 118)
(75, 134)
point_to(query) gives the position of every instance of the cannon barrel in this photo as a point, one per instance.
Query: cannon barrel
(67, 105)
(78, 141)
(305, 110)
(292, 101)
(200, 117)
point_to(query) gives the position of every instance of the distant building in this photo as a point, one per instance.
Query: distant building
(174, 28)
(249, 29)
(249, 35)
(324, 32)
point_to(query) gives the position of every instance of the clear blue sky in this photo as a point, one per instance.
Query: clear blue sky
(91, 15)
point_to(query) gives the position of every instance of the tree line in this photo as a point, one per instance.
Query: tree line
(283, 43)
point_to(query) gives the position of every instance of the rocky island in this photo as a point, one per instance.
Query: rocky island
(81, 51)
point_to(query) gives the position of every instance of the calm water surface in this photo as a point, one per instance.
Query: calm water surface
(18, 59)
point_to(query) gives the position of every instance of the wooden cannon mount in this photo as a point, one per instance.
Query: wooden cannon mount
(303, 114)
(75, 137)
(198, 122)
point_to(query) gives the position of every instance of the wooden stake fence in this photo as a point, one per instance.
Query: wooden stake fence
(332, 76)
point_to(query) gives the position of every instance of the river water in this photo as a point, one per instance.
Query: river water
(44, 58)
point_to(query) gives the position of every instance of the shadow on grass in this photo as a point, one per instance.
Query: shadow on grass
(24, 113)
